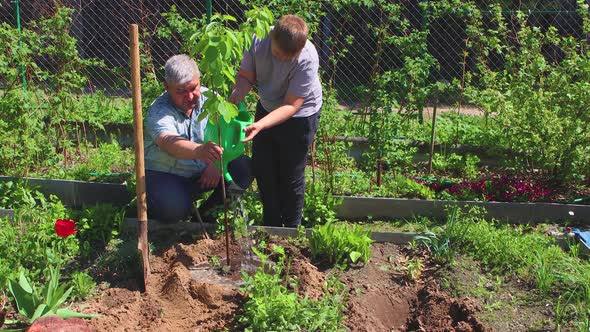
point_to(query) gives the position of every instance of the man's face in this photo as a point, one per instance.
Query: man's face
(185, 96)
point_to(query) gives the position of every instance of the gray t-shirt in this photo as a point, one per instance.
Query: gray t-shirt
(275, 78)
(165, 118)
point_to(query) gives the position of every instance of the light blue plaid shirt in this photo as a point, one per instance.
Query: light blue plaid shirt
(164, 117)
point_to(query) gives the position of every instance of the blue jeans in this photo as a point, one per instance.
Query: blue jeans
(170, 197)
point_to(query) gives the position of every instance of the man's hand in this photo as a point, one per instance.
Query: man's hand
(252, 130)
(210, 177)
(208, 152)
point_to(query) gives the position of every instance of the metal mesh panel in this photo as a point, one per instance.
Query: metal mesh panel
(101, 28)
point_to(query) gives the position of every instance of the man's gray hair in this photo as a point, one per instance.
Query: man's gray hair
(181, 69)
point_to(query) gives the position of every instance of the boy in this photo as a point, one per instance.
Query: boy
(284, 67)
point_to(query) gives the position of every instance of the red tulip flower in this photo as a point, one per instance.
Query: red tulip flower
(65, 227)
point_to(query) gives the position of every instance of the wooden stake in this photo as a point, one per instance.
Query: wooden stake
(432, 136)
(142, 230)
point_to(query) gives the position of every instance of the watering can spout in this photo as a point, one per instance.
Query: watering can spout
(232, 134)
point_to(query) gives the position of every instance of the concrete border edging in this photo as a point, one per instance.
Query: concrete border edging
(393, 208)
(154, 226)
(75, 194)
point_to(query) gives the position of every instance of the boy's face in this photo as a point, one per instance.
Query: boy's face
(280, 54)
(185, 96)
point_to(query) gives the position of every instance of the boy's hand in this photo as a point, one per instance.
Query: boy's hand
(252, 130)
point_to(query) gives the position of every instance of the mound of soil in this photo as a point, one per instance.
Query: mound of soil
(173, 300)
(380, 299)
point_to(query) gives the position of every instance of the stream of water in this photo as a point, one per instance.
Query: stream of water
(249, 262)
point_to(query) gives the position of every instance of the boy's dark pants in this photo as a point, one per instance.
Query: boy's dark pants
(279, 156)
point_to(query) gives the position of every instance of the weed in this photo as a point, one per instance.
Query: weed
(340, 243)
(545, 271)
(215, 262)
(320, 206)
(82, 284)
(414, 269)
(271, 306)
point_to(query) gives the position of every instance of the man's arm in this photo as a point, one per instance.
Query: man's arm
(244, 82)
(291, 105)
(181, 148)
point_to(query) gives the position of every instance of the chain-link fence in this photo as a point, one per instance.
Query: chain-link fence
(350, 36)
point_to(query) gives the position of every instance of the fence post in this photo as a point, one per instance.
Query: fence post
(209, 6)
(18, 27)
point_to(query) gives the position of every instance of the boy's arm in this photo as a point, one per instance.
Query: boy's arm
(291, 105)
(244, 82)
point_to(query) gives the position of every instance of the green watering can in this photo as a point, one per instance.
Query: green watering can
(232, 134)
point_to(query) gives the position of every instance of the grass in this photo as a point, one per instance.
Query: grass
(524, 254)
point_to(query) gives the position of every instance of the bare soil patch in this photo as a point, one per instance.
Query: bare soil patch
(380, 298)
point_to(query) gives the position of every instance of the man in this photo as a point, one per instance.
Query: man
(179, 165)
(284, 67)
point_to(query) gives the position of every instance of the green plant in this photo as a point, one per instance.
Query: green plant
(545, 271)
(439, 246)
(253, 207)
(16, 194)
(414, 268)
(340, 243)
(215, 262)
(29, 241)
(401, 186)
(531, 256)
(457, 165)
(560, 311)
(119, 257)
(539, 101)
(107, 159)
(34, 303)
(97, 225)
(320, 206)
(272, 307)
(82, 285)
(584, 325)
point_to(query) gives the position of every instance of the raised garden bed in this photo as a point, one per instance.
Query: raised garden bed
(353, 208)
(75, 194)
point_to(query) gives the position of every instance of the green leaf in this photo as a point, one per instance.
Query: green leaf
(211, 54)
(228, 111)
(201, 44)
(233, 37)
(61, 300)
(66, 313)
(229, 18)
(214, 40)
(24, 283)
(24, 300)
(40, 312)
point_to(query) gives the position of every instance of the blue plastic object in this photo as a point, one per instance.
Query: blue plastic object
(232, 134)
(584, 237)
